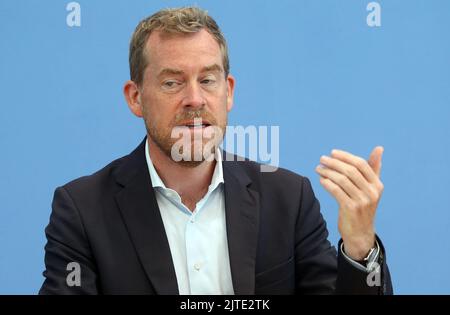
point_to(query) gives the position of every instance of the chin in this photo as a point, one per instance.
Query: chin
(190, 164)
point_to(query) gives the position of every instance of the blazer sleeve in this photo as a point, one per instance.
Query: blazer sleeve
(67, 249)
(319, 268)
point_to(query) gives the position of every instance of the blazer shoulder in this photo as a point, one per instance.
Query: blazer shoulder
(281, 189)
(277, 178)
(268, 172)
(96, 182)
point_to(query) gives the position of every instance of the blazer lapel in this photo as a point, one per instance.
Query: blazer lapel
(140, 212)
(242, 220)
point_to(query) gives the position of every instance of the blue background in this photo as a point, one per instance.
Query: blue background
(312, 67)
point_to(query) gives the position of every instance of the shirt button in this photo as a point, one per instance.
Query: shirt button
(197, 266)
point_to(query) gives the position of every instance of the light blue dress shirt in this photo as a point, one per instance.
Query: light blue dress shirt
(198, 240)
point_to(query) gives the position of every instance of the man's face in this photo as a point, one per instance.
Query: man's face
(184, 83)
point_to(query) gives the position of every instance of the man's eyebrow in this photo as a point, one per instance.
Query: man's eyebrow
(211, 68)
(169, 71)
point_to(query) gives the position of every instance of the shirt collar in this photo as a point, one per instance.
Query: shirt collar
(216, 179)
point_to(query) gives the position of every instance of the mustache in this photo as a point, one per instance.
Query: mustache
(192, 114)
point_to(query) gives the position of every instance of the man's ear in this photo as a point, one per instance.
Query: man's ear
(133, 97)
(230, 91)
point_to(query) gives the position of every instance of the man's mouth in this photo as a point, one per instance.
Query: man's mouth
(196, 124)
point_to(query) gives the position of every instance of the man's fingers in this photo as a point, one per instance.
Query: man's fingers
(357, 162)
(346, 169)
(375, 159)
(334, 190)
(341, 180)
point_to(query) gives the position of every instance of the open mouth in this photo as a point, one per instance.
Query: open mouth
(196, 124)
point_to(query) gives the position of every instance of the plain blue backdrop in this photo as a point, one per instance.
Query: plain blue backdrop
(313, 67)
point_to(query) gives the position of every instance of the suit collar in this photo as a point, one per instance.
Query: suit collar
(140, 212)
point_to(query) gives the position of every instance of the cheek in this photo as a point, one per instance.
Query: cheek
(159, 111)
(224, 100)
(221, 112)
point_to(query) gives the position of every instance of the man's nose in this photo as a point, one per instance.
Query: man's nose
(194, 97)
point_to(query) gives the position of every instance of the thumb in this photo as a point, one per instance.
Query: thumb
(375, 159)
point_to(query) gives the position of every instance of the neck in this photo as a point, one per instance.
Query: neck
(191, 183)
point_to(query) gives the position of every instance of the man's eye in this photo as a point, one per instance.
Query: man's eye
(170, 84)
(208, 81)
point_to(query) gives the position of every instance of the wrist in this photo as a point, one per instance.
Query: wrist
(359, 249)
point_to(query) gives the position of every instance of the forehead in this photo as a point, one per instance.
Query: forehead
(182, 51)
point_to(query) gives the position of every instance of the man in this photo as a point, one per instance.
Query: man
(160, 221)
